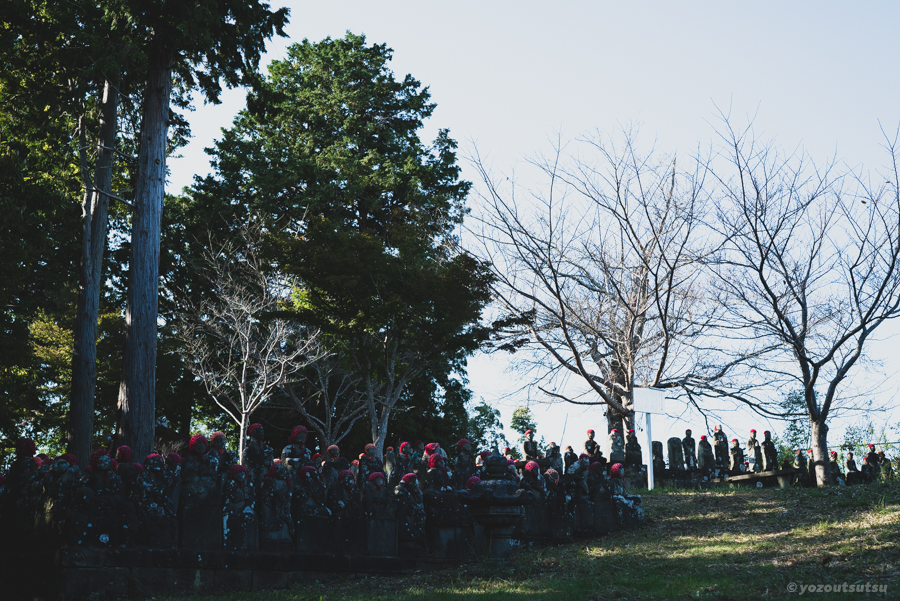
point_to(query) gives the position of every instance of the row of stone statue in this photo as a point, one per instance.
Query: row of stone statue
(626, 451)
(718, 459)
(684, 454)
(876, 467)
(298, 501)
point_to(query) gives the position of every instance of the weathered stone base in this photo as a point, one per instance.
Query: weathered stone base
(75, 574)
(83, 573)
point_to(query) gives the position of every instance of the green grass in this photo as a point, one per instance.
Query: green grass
(734, 544)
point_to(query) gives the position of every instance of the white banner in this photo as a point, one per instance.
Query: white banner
(649, 400)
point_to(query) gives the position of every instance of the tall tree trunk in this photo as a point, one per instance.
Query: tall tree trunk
(819, 436)
(137, 390)
(93, 245)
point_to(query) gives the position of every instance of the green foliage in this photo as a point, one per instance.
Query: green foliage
(857, 438)
(796, 433)
(485, 428)
(522, 421)
(361, 214)
(39, 246)
(331, 134)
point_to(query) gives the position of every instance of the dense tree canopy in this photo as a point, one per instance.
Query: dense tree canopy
(361, 214)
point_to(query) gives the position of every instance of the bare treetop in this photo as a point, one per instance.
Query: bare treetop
(605, 269)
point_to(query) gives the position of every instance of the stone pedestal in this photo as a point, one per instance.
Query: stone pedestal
(561, 525)
(381, 537)
(584, 517)
(312, 534)
(536, 522)
(349, 535)
(605, 517)
(479, 539)
(241, 532)
(449, 542)
(158, 532)
(201, 527)
(499, 523)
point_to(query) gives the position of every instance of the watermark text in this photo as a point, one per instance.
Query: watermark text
(843, 587)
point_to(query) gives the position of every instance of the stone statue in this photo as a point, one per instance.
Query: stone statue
(530, 447)
(532, 481)
(720, 443)
(570, 459)
(377, 500)
(381, 517)
(770, 453)
(418, 452)
(369, 463)
(706, 460)
(596, 482)
(736, 467)
(241, 527)
(59, 486)
(578, 472)
(422, 468)
(556, 494)
(436, 478)
(884, 465)
(755, 451)
(837, 475)
(480, 468)
(676, 459)
(101, 477)
(555, 458)
(110, 519)
(390, 462)
(311, 516)
(659, 464)
(295, 455)
(405, 464)
(218, 447)
(274, 512)
(126, 469)
(757, 457)
(872, 456)
(690, 451)
(173, 480)
(258, 456)
(347, 514)
(800, 462)
(633, 456)
(410, 516)
(334, 465)
(155, 507)
(464, 468)
(616, 447)
(591, 448)
(854, 476)
(201, 502)
(629, 507)
(870, 468)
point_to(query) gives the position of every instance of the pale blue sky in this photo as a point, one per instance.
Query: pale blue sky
(507, 75)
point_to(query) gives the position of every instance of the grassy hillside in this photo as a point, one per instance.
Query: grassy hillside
(735, 544)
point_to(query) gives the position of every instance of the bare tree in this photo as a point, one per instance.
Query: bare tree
(386, 369)
(328, 397)
(809, 269)
(603, 265)
(233, 344)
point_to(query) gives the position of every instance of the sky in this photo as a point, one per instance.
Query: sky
(508, 77)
